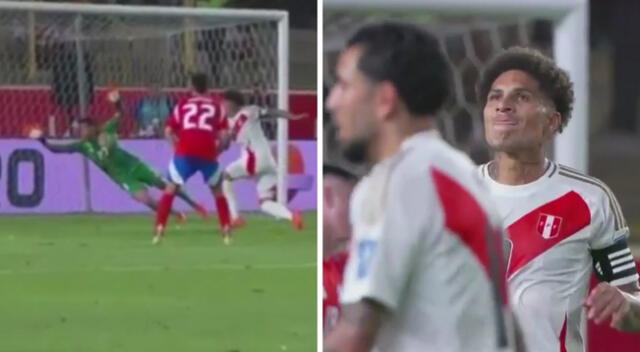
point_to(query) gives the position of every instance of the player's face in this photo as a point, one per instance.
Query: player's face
(335, 214)
(518, 116)
(351, 104)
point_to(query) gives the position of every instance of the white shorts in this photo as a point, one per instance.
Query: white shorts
(258, 166)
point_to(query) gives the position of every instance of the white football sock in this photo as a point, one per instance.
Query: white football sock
(276, 210)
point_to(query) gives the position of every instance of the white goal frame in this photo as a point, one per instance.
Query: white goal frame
(570, 48)
(282, 18)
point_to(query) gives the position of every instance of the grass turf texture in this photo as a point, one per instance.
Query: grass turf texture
(95, 283)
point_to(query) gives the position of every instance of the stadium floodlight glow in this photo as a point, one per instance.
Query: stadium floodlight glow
(570, 49)
(246, 49)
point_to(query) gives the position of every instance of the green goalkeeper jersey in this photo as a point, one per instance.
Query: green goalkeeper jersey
(105, 151)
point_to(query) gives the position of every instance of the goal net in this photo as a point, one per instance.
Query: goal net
(469, 37)
(58, 60)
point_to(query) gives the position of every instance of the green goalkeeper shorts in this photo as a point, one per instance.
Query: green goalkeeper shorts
(136, 177)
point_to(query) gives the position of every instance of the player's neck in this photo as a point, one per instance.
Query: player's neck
(517, 168)
(393, 135)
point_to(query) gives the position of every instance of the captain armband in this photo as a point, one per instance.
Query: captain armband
(615, 264)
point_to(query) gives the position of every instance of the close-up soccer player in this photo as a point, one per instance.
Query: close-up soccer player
(561, 222)
(425, 268)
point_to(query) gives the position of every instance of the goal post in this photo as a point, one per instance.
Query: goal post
(135, 47)
(570, 48)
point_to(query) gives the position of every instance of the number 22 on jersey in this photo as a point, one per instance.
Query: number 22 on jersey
(198, 116)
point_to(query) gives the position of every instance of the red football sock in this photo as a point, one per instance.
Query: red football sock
(222, 208)
(164, 208)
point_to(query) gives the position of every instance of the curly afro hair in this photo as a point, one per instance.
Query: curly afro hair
(554, 82)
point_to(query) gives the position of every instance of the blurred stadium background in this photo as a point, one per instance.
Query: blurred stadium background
(75, 254)
(470, 40)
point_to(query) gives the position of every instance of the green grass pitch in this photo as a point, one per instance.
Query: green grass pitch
(95, 283)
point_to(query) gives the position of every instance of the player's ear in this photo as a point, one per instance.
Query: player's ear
(386, 100)
(555, 121)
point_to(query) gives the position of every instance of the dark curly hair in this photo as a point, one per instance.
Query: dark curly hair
(554, 82)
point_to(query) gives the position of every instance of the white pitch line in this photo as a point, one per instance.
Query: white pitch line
(165, 268)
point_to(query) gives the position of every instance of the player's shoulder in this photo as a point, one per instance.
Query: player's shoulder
(430, 154)
(197, 98)
(183, 100)
(587, 186)
(425, 160)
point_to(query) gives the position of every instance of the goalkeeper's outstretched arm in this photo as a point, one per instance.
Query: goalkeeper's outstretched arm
(111, 125)
(37, 134)
(58, 148)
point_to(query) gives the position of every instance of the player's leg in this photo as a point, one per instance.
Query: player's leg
(143, 196)
(139, 177)
(180, 169)
(213, 177)
(235, 171)
(266, 191)
(147, 175)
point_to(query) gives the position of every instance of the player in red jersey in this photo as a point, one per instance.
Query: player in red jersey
(195, 128)
(338, 184)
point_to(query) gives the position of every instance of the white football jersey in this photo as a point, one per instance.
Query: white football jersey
(428, 246)
(559, 225)
(247, 130)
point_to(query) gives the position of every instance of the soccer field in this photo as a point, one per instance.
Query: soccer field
(95, 283)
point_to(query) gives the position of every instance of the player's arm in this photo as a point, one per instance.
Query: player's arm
(357, 329)
(111, 126)
(617, 297)
(59, 148)
(620, 304)
(224, 134)
(37, 134)
(272, 114)
(173, 125)
(224, 139)
(170, 135)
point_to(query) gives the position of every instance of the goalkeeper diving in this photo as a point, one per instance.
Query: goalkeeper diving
(100, 145)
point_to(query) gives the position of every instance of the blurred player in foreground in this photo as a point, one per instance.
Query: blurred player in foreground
(559, 220)
(195, 129)
(338, 184)
(256, 160)
(100, 145)
(426, 264)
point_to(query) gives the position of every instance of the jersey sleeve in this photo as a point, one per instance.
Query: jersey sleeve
(383, 257)
(612, 258)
